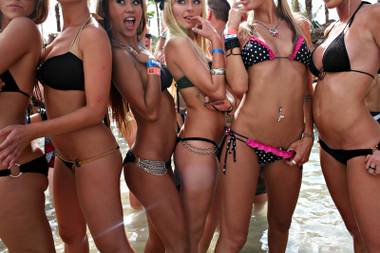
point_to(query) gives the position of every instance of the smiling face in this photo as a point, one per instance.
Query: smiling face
(185, 10)
(125, 17)
(16, 8)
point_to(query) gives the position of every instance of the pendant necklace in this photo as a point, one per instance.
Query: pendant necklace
(273, 31)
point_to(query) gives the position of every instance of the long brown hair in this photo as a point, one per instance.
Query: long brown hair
(119, 106)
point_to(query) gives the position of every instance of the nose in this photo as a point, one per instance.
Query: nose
(129, 6)
(189, 5)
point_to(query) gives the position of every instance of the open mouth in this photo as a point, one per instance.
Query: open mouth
(130, 22)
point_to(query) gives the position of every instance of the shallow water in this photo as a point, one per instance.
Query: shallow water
(316, 227)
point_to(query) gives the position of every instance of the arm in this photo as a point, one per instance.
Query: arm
(144, 99)
(15, 41)
(237, 75)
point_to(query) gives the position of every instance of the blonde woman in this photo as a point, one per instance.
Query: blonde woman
(197, 82)
(267, 59)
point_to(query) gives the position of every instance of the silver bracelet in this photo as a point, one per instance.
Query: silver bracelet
(217, 71)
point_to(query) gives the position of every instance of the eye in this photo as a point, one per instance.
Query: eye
(181, 2)
(196, 2)
(136, 2)
(120, 2)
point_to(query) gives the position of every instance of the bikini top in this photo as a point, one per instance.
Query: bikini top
(335, 58)
(166, 78)
(10, 84)
(183, 83)
(256, 51)
(64, 71)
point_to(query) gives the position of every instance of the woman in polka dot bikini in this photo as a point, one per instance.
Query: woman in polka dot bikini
(267, 59)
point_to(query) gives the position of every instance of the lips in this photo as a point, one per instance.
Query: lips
(14, 6)
(130, 22)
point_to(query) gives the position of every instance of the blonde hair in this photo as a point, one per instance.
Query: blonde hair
(175, 30)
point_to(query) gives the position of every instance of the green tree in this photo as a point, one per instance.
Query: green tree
(296, 6)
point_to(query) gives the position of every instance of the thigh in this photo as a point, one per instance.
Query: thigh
(161, 200)
(335, 174)
(98, 191)
(283, 185)
(364, 192)
(237, 189)
(69, 215)
(24, 224)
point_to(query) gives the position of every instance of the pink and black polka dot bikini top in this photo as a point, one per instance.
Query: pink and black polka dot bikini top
(256, 51)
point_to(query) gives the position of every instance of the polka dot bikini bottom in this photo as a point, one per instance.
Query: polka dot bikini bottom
(266, 154)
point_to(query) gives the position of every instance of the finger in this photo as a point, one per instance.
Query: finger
(199, 19)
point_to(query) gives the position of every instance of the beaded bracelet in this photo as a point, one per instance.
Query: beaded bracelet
(152, 63)
(231, 43)
(153, 71)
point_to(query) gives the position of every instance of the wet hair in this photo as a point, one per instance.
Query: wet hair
(220, 8)
(40, 11)
(119, 106)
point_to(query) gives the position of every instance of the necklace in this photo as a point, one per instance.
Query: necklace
(273, 31)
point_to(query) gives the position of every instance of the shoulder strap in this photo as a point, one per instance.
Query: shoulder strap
(356, 11)
(76, 38)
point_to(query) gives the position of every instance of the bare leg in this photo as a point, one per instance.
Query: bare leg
(238, 187)
(98, 188)
(154, 243)
(24, 226)
(283, 186)
(197, 173)
(71, 223)
(335, 175)
(160, 198)
(364, 196)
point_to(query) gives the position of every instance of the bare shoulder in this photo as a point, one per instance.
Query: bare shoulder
(23, 27)
(94, 32)
(372, 16)
(177, 42)
(122, 57)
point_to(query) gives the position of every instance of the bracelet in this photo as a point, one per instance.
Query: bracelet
(231, 43)
(217, 50)
(153, 71)
(217, 71)
(308, 135)
(152, 63)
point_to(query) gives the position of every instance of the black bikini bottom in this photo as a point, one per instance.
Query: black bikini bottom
(343, 155)
(38, 165)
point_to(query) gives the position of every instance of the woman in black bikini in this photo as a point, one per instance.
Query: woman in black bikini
(76, 73)
(195, 154)
(272, 127)
(23, 224)
(345, 64)
(143, 84)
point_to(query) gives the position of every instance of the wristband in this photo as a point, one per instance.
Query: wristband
(217, 50)
(153, 71)
(230, 36)
(152, 63)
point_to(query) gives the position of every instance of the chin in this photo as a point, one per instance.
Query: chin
(333, 3)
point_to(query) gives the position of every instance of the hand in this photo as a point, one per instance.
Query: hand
(205, 29)
(302, 149)
(224, 105)
(16, 138)
(373, 163)
(237, 14)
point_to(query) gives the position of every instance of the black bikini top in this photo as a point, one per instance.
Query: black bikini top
(183, 83)
(64, 71)
(166, 78)
(335, 58)
(10, 84)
